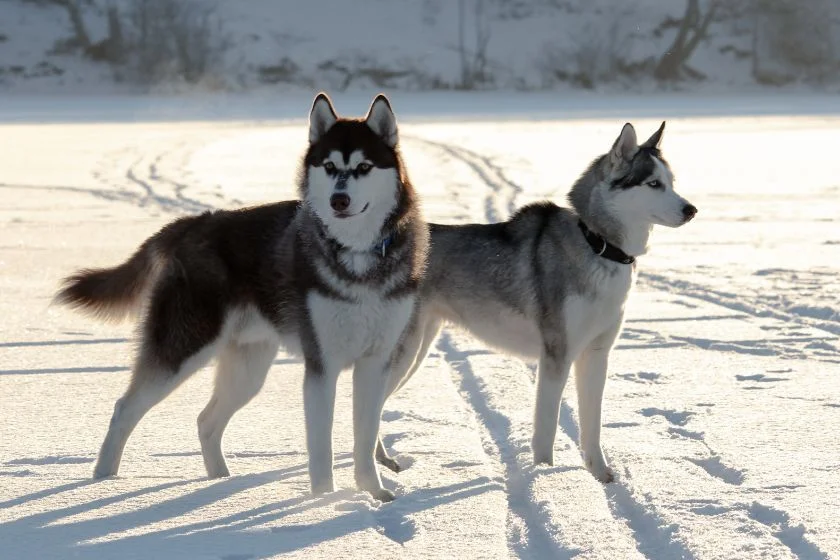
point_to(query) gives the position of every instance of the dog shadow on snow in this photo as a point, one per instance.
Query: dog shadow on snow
(227, 536)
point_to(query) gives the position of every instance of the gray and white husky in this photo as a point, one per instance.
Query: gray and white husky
(551, 283)
(332, 278)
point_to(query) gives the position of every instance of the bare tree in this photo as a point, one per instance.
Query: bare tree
(109, 49)
(693, 29)
(80, 33)
(794, 40)
(168, 40)
(473, 61)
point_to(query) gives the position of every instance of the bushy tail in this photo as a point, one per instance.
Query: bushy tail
(114, 293)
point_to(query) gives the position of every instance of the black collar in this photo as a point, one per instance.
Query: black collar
(379, 249)
(603, 248)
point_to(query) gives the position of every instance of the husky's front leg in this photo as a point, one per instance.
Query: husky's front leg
(551, 380)
(318, 407)
(590, 377)
(369, 386)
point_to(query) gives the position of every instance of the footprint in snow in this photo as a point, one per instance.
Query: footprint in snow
(642, 377)
(52, 460)
(688, 434)
(679, 418)
(760, 378)
(684, 303)
(717, 469)
(461, 464)
(25, 472)
(391, 415)
(711, 509)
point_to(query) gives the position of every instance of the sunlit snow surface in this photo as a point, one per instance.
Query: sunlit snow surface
(722, 409)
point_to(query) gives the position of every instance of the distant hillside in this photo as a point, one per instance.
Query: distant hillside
(141, 45)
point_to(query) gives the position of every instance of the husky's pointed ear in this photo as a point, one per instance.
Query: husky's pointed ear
(381, 120)
(321, 117)
(625, 146)
(656, 139)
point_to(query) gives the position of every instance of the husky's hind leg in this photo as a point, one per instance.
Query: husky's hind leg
(430, 333)
(138, 399)
(240, 375)
(183, 325)
(414, 351)
(149, 386)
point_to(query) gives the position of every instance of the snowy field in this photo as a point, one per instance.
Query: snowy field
(722, 407)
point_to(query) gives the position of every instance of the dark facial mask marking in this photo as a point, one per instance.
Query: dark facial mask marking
(341, 179)
(642, 167)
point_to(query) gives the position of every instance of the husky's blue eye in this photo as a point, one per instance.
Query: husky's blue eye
(363, 167)
(329, 166)
(654, 184)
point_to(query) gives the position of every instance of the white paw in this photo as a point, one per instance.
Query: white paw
(325, 487)
(544, 458)
(382, 494)
(218, 472)
(599, 469)
(103, 470)
(390, 463)
(543, 454)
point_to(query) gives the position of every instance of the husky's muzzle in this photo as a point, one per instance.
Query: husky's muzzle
(340, 201)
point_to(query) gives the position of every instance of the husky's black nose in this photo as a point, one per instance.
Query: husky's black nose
(340, 202)
(689, 211)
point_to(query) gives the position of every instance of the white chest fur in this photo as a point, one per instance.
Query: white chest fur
(347, 331)
(599, 311)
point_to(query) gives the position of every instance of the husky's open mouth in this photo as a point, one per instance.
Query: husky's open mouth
(343, 215)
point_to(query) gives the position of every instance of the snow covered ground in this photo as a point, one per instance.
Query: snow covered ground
(722, 408)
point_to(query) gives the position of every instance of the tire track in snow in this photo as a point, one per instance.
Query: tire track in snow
(108, 194)
(792, 537)
(654, 537)
(528, 536)
(779, 521)
(134, 167)
(145, 172)
(500, 202)
(713, 463)
(739, 302)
